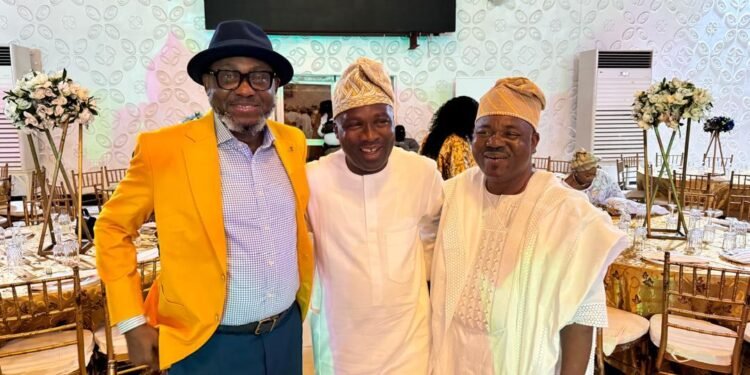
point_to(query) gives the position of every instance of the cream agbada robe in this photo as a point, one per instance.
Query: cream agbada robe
(370, 307)
(553, 251)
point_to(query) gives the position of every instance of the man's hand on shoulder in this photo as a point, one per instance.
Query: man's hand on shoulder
(143, 346)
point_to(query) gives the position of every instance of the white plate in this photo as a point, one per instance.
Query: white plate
(741, 256)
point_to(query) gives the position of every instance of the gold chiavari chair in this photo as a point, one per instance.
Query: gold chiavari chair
(674, 160)
(113, 176)
(718, 163)
(707, 340)
(625, 336)
(744, 213)
(109, 337)
(541, 163)
(4, 171)
(32, 208)
(59, 348)
(739, 190)
(91, 179)
(6, 187)
(559, 166)
(630, 165)
(702, 201)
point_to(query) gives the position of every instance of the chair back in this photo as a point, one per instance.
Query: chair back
(744, 213)
(4, 171)
(739, 190)
(559, 166)
(674, 160)
(694, 183)
(113, 176)
(718, 163)
(6, 187)
(541, 163)
(693, 284)
(148, 271)
(23, 303)
(91, 179)
(630, 165)
(702, 201)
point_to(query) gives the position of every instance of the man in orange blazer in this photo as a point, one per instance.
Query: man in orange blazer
(229, 192)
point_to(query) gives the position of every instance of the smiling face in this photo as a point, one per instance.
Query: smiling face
(366, 136)
(243, 110)
(502, 147)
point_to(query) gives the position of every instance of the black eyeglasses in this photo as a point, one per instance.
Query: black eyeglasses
(232, 79)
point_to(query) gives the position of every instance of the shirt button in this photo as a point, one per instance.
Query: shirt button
(223, 277)
(270, 263)
(216, 317)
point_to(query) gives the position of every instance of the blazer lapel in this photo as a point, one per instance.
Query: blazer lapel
(287, 153)
(202, 163)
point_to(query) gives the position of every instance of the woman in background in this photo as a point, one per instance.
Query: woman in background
(587, 177)
(449, 141)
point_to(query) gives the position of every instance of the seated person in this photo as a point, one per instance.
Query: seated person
(588, 178)
(408, 144)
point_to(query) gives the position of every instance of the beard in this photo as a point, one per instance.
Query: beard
(245, 128)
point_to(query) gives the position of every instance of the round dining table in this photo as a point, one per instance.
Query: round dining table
(35, 268)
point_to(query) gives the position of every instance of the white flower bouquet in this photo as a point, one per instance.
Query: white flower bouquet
(669, 102)
(43, 102)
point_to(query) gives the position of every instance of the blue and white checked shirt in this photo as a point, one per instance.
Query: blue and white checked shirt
(258, 207)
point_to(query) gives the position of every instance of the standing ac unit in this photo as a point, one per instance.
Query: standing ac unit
(607, 82)
(15, 61)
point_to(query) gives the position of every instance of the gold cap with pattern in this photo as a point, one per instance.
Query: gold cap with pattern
(513, 96)
(583, 160)
(363, 83)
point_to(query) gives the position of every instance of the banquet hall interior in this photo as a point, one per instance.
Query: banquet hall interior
(681, 186)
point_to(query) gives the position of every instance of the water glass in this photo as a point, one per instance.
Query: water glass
(732, 221)
(695, 238)
(14, 249)
(741, 230)
(639, 238)
(730, 241)
(709, 234)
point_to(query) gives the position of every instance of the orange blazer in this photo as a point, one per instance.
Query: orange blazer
(175, 173)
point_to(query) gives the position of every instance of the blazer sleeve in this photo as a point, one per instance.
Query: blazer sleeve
(114, 231)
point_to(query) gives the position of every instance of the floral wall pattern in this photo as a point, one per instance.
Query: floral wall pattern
(132, 55)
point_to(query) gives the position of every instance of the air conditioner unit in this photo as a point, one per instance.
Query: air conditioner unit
(607, 82)
(15, 61)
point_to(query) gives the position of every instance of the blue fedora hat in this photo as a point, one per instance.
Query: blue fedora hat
(239, 38)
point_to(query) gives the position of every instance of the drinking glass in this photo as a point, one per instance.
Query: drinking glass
(709, 234)
(741, 230)
(730, 242)
(695, 237)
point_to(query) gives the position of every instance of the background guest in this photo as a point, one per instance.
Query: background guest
(450, 135)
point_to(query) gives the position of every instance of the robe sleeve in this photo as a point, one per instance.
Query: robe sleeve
(429, 223)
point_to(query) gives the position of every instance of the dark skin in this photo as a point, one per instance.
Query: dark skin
(581, 179)
(244, 111)
(502, 147)
(366, 136)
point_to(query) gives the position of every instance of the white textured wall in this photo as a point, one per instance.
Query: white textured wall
(132, 53)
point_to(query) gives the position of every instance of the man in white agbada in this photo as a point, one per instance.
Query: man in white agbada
(519, 259)
(374, 211)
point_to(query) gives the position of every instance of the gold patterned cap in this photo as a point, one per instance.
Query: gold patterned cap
(583, 160)
(513, 96)
(363, 83)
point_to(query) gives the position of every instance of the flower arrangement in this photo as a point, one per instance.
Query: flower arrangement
(669, 102)
(43, 102)
(718, 124)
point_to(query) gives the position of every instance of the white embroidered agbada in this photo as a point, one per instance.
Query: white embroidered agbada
(373, 236)
(502, 292)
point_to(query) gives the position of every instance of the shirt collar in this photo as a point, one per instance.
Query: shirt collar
(223, 135)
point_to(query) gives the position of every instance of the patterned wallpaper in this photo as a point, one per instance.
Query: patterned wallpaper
(132, 53)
